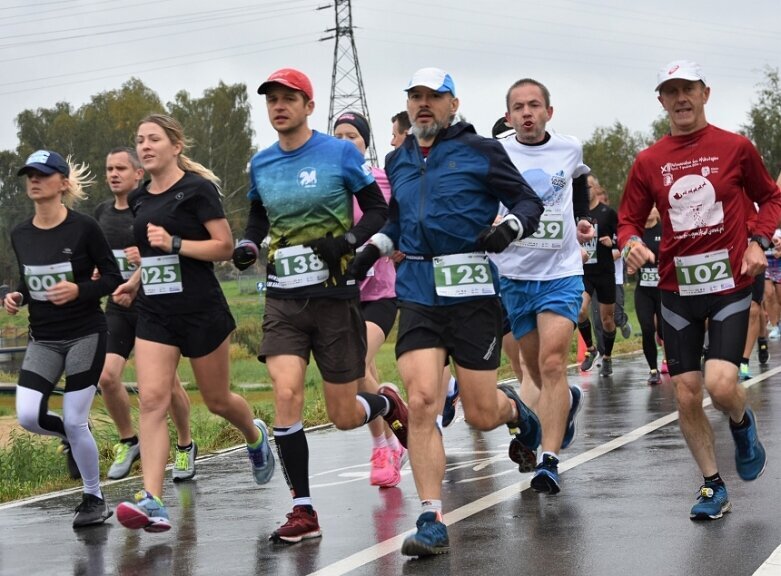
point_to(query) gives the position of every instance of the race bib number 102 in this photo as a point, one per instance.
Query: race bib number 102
(704, 273)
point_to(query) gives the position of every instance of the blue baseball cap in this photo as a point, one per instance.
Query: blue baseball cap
(433, 78)
(45, 162)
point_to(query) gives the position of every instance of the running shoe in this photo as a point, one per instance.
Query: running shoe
(184, 463)
(569, 432)
(430, 539)
(712, 502)
(526, 433)
(626, 330)
(91, 511)
(607, 367)
(775, 333)
(400, 458)
(745, 373)
(397, 414)
(546, 476)
(750, 457)
(73, 468)
(124, 456)
(262, 457)
(654, 378)
(301, 525)
(589, 359)
(665, 369)
(148, 513)
(762, 351)
(383, 469)
(449, 410)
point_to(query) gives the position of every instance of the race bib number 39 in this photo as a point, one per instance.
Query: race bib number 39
(125, 267)
(704, 273)
(461, 275)
(161, 275)
(549, 234)
(297, 266)
(40, 278)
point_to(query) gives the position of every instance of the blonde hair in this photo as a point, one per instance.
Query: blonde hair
(80, 178)
(173, 129)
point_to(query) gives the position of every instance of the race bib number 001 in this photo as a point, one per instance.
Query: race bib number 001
(161, 275)
(649, 277)
(549, 234)
(704, 273)
(461, 275)
(125, 267)
(298, 266)
(40, 278)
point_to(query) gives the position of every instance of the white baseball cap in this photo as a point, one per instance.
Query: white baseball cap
(683, 69)
(434, 78)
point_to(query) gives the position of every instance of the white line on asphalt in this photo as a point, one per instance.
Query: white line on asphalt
(392, 545)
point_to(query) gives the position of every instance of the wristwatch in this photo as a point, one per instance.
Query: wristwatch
(176, 244)
(763, 241)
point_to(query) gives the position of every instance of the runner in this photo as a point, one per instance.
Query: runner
(703, 180)
(648, 299)
(378, 304)
(399, 128)
(57, 250)
(442, 215)
(124, 173)
(300, 194)
(541, 276)
(180, 230)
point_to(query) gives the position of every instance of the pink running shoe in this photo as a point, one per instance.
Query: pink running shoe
(664, 369)
(383, 472)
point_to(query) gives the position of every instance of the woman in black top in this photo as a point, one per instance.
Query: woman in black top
(180, 229)
(57, 250)
(648, 299)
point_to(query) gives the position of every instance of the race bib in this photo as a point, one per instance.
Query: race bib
(591, 247)
(298, 266)
(39, 279)
(649, 277)
(704, 273)
(460, 275)
(550, 232)
(161, 275)
(125, 267)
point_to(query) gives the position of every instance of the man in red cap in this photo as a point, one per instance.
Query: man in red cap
(301, 191)
(704, 181)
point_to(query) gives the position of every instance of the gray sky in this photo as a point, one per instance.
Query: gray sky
(599, 59)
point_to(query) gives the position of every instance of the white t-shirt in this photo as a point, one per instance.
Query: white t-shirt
(553, 252)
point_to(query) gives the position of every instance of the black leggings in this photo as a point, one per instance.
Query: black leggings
(648, 307)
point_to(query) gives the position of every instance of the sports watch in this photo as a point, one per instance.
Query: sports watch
(763, 241)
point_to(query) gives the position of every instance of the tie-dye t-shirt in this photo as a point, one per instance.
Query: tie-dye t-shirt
(308, 193)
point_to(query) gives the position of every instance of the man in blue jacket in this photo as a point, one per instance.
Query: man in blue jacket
(447, 183)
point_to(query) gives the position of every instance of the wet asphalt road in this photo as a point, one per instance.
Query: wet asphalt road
(627, 485)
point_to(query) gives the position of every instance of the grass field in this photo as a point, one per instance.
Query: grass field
(29, 464)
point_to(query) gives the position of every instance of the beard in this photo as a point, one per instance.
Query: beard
(427, 132)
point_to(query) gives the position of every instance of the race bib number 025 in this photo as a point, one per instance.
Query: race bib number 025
(297, 266)
(161, 275)
(40, 278)
(704, 273)
(461, 275)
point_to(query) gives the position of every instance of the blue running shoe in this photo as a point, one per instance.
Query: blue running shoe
(148, 513)
(431, 537)
(571, 430)
(262, 457)
(744, 372)
(546, 476)
(449, 410)
(712, 502)
(526, 433)
(750, 458)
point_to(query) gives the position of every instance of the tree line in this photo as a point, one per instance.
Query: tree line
(219, 125)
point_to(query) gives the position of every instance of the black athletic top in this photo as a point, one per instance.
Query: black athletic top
(71, 251)
(117, 226)
(606, 221)
(182, 210)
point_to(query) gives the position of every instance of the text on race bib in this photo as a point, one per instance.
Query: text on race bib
(549, 234)
(161, 274)
(649, 277)
(704, 273)
(298, 266)
(461, 275)
(125, 267)
(39, 279)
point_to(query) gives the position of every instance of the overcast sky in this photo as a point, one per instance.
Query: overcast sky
(599, 59)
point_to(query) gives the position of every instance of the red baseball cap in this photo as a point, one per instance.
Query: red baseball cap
(291, 78)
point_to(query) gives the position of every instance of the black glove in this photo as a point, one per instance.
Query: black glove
(330, 250)
(245, 254)
(364, 259)
(497, 238)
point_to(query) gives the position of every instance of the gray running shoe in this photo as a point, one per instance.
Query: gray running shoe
(607, 367)
(626, 330)
(184, 463)
(262, 457)
(92, 510)
(124, 456)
